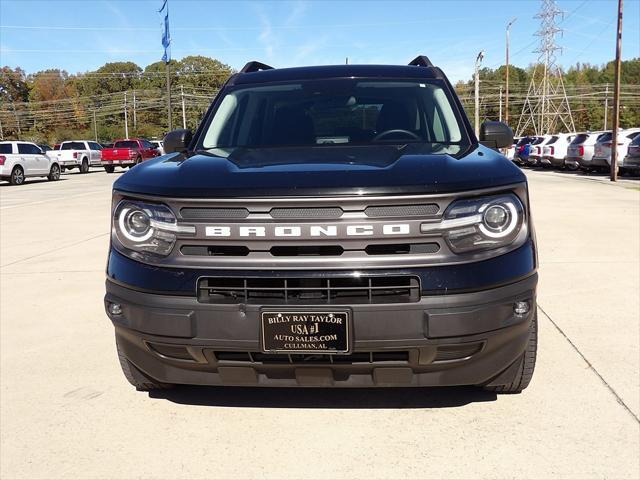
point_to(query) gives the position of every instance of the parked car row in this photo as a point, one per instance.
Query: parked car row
(589, 151)
(20, 160)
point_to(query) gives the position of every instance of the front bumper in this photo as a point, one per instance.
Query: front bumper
(451, 339)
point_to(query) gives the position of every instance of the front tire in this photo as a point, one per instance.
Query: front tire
(17, 176)
(54, 173)
(524, 373)
(135, 377)
(109, 168)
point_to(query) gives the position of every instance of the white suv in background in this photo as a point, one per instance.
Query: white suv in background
(20, 160)
(554, 151)
(581, 150)
(80, 154)
(602, 149)
(158, 145)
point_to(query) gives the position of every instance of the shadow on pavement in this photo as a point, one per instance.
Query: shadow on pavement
(414, 397)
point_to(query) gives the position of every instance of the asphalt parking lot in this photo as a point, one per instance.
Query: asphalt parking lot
(66, 411)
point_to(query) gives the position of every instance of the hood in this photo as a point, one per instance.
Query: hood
(320, 171)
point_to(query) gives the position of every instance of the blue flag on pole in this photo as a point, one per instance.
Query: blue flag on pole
(166, 36)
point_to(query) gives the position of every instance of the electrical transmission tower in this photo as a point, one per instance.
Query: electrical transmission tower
(546, 108)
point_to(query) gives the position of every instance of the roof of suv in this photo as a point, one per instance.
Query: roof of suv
(336, 71)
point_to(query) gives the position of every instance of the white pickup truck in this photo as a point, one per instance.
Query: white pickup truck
(80, 154)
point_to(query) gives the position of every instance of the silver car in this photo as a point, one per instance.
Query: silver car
(580, 150)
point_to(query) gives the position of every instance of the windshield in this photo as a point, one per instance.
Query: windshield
(334, 113)
(72, 146)
(126, 144)
(580, 138)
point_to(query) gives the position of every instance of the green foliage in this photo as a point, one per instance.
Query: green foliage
(586, 86)
(52, 105)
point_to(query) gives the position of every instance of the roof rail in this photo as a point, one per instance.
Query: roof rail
(255, 67)
(421, 61)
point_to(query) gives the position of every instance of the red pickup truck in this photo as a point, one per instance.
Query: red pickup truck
(127, 153)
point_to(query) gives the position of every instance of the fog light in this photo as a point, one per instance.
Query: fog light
(115, 309)
(521, 308)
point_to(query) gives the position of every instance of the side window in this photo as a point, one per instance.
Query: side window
(6, 148)
(94, 146)
(24, 148)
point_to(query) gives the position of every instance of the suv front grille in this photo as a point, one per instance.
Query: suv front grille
(426, 210)
(302, 213)
(309, 233)
(311, 250)
(309, 291)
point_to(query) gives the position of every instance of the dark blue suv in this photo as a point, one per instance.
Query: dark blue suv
(326, 226)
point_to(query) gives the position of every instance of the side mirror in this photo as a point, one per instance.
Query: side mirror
(496, 135)
(177, 140)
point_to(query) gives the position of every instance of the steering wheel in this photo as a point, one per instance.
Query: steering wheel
(386, 133)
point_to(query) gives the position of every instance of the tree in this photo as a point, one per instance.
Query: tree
(111, 78)
(14, 90)
(13, 85)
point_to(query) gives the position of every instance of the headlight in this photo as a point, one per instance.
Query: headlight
(480, 224)
(147, 228)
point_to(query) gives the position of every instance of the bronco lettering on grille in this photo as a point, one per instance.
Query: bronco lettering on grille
(307, 230)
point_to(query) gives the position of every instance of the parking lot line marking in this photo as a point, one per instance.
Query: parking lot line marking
(55, 250)
(52, 272)
(49, 200)
(591, 367)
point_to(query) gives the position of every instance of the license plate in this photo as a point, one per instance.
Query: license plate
(286, 331)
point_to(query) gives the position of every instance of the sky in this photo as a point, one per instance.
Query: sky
(82, 35)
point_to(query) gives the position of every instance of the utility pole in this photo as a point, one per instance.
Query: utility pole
(500, 114)
(616, 99)
(184, 117)
(606, 106)
(135, 122)
(170, 122)
(126, 122)
(477, 92)
(1, 133)
(95, 127)
(506, 100)
(346, 61)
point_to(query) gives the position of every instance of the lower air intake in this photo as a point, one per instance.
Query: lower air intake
(309, 291)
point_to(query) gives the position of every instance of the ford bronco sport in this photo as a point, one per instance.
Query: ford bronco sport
(326, 226)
